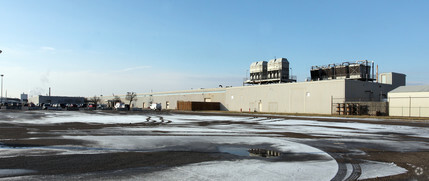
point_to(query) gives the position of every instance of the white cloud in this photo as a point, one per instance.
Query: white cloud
(46, 48)
(133, 68)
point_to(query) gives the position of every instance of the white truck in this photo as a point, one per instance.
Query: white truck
(119, 105)
(156, 106)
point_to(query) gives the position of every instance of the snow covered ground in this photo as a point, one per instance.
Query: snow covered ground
(202, 133)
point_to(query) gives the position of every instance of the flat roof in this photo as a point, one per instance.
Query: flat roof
(415, 88)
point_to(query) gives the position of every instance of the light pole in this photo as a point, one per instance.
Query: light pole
(1, 89)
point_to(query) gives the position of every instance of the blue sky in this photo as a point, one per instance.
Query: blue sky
(85, 48)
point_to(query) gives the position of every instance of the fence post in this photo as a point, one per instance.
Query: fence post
(419, 111)
(409, 109)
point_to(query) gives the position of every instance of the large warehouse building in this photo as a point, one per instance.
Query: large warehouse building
(329, 87)
(412, 101)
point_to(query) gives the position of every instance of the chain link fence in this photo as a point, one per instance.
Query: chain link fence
(341, 106)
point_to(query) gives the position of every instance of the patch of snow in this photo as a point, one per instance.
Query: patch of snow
(372, 169)
(192, 143)
(214, 170)
(399, 146)
(248, 170)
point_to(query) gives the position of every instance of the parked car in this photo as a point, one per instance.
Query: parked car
(45, 106)
(71, 105)
(101, 106)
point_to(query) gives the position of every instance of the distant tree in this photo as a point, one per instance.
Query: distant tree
(86, 100)
(131, 96)
(95, 100)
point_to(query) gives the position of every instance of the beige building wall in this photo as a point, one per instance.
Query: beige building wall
(412, 104)
(302, 97)
(34, 99)
(169, 100)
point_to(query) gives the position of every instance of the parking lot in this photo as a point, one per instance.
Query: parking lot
(110, 145)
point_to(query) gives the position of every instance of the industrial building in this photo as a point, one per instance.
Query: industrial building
(345, 84)
(39, 100)
(411, 101)
(8, 100)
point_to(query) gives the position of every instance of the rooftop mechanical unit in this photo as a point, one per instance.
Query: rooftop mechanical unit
(273, 71)
(258, 70)
(278, 69)
(360, 70)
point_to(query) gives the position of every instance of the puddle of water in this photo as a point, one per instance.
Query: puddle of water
(246, 152)
(15, 172)
(239, 151)
(23, 147)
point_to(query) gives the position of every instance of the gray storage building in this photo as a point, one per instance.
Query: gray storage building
(56, 100)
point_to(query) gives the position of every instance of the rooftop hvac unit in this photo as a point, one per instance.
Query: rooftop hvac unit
(278, 69)
(342, 71)
(258, 70)
(360, 70)
(328, 73)
(274, 71)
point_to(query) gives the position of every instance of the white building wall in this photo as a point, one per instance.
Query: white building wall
(34, 100)
(411, 104)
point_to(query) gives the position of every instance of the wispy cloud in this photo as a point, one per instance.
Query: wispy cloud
(133, 68)
(46, 48)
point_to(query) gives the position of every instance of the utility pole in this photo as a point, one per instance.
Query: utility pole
(2, 89)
